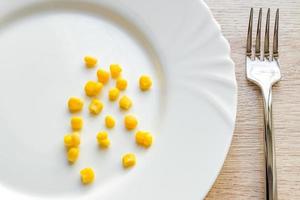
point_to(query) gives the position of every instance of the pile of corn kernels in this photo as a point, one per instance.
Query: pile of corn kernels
(93, 89)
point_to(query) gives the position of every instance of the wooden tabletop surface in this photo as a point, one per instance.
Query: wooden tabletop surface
(242, 176)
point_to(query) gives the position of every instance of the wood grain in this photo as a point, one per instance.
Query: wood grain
(242, 176)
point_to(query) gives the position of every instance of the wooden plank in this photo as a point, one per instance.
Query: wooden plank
(242, 176)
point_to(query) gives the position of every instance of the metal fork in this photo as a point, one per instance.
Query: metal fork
(262, 68)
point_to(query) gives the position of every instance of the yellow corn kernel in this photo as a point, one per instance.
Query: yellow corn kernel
(75, 104)
(144, 138)
(109, 121)
(103, 76)
(102, 135)
(87, 175)
(113, 94)
(92, 88)
(125, 103)
(72, 140)
(103, 140)
(104, 143)
(73, 154)
(68, 141)
(90, 61)
(76, 123)
(121, 84)
(145, 82)
(95, 106)
(115, 70)
(130, 122)
(128, 160)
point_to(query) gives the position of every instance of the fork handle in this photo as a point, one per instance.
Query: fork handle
(269, 146)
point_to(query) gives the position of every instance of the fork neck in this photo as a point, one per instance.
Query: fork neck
(269, 146)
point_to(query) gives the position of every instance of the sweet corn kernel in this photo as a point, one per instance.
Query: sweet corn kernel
(68, 141)
(87, 175)
(92, 88)
(103, 76)
(121, 84)
(109, 121)
(90, 61)
(130, 122)
(145, 82)
(95, 106)
(128, 160)
(102, 135)
(143, 138)
(76, 123)
(113, 94)
(72, 140)
(75, 104)
(125, 103)
(73, 154)
(104, 143)
(115, 70)
(103, 140)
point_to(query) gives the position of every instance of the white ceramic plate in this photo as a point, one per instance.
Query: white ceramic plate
(190, 109)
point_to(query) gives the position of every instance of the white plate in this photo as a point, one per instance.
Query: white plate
(190, 109)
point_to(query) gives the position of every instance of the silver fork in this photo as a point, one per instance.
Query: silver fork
(262, 68)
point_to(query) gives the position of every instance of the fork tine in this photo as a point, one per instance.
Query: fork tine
(275, 38)
(258, 33)
(249, 35)
(266, 44)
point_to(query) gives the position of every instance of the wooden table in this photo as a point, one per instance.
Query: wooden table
(242, 176)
